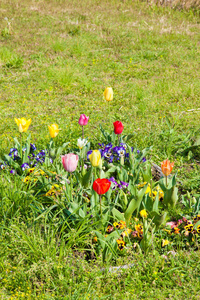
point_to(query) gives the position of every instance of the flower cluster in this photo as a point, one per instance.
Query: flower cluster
(121, 185)
(110, 153)
(184, 226)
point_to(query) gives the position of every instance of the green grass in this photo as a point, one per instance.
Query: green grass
(55, 63)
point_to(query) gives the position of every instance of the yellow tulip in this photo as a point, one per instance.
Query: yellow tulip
(23, 124)
(53, 130)
(95, 158)
(108, 94)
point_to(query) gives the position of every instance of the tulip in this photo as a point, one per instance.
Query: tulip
(95, 158)
(118, 127)
(53, 130)
(101, 186)
(81, 143)
(83, 120)
(70, 162)
(23, 124)
(167, 167)
(108, 94)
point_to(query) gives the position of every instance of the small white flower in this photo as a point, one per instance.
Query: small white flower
(81, 143)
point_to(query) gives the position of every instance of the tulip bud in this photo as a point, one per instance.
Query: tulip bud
(108, 94)
(52, 153)
(194, 200)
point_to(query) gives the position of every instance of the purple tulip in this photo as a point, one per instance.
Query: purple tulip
(70, 162)
(83, 120)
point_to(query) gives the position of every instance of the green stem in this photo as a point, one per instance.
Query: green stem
(100, 205)
(21, 145)
(118, 139)
(166, 181)
(82, 132)
(109, 112)
(71, 186)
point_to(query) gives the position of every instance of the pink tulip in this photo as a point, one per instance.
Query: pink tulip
(70, 162)
(83, 120)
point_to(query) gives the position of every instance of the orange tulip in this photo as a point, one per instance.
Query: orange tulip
(167, 167)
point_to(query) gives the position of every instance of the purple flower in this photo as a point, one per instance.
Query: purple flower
(124, 184)
(111, 159)
(88, 153)
(123, 145)
(33, 147)
(13, 172)
(24, 166)
(144, 159)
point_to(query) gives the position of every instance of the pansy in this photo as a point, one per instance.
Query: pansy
(25, 166)
(121, 244)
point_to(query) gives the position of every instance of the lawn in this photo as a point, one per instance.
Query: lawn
(56, 59)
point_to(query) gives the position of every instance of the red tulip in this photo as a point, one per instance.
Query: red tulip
(101, 186)
(118, 127)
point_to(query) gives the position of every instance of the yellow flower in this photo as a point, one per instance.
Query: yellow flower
(95, 158)
(165, 243)
(53, 130)
(23, 124)
(108, 94)
(94, 239)
(139, 228)
(121, 244)
(26, 179)
(143, 213)
(126, 232)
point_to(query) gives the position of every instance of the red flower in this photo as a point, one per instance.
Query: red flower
(118, 127)
(101, 186)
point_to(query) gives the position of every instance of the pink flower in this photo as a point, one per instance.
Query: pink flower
(83, 120)
(70, 162)
(172, 224)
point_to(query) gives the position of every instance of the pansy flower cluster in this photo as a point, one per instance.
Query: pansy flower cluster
(183, 226)
(34, 158)
(110, 153)
(115, 186)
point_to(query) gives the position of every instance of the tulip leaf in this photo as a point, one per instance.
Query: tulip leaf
(86, 178)
(118, 215)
